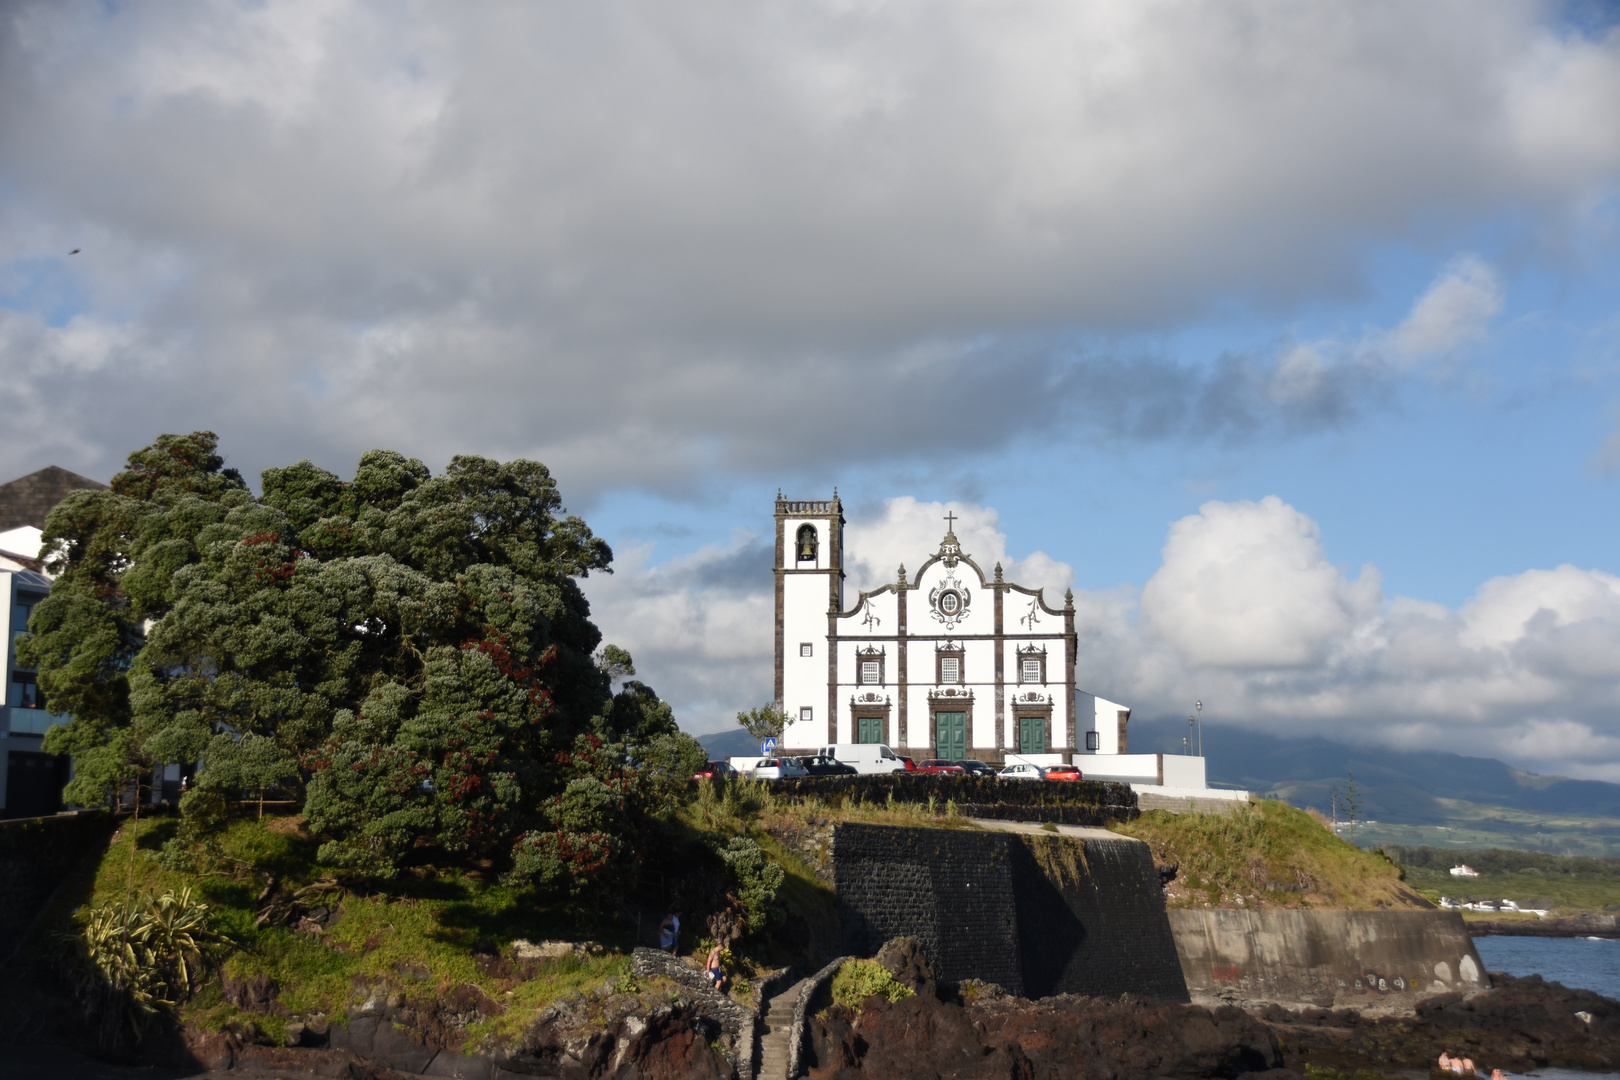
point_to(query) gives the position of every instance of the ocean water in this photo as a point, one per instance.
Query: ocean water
(1589, 963)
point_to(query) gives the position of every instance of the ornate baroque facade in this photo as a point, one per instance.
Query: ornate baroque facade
(944, 662)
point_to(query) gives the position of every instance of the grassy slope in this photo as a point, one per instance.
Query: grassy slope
(1267, 855)
(428, 921)
(423, 929)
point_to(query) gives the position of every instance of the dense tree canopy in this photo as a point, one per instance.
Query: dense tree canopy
(411, 653)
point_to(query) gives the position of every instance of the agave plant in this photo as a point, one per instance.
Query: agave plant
(142, 956)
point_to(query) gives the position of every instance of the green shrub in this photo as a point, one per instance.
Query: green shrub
(858, 980)
(758, 882)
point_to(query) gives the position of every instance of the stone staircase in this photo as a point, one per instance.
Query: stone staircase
(776, 1030)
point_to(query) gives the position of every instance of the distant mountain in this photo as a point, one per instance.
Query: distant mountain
(1402, 785)
(724, 744)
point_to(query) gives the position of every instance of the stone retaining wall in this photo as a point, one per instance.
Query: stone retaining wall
(1036, 915)
(1084, 802)
(799, 1035)
(737, 1021)
(1360, 959)
(36, 854)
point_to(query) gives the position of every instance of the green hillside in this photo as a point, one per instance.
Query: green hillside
(1411, 797)
(1267, 855)
(1530, 879)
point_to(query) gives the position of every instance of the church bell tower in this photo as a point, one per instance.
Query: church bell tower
(809, 595)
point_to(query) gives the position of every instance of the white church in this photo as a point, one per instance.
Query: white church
(944, 662)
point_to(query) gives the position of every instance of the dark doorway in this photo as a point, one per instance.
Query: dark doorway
(34, 784)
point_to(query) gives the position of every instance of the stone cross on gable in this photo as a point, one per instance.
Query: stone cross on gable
(950, 522)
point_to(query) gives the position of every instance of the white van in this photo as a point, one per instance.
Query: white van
(865, 757)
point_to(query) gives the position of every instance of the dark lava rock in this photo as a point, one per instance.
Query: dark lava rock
(1057, 1037)
(903, 958)
(1516, 1025)
(256, 993)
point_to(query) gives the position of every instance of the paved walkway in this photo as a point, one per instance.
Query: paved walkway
(1081, 832)
(776, 1025)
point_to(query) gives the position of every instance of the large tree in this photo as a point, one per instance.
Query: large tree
(413, 652)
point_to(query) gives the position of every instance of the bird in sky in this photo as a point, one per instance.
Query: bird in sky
(75, 251)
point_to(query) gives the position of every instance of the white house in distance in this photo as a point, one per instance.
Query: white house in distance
(946, 661)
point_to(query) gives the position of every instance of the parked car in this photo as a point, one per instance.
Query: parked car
(977, 768)
(714, 770)
(778, 769)
(1022, 770)
(1063, 772)
(940, 765)
(864, 757)
(907, 764)
(825, 766)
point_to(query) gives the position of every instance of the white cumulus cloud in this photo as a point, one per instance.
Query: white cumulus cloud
(1246, 612)
(617, 237)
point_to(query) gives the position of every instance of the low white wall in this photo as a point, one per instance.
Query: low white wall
(1167, 791)
(1043, 760)
(1123, 768)
(1167, 770)
(1181, 771)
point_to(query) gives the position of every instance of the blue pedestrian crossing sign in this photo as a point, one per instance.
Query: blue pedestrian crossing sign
(768, 747)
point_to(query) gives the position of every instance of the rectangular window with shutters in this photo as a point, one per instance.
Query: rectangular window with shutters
(806, 649)
(871, 672)
(1032, 670)
(807, 713)
(1091, 740)
(950, 669)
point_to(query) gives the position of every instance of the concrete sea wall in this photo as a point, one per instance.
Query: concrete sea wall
(1037, 915)
(1359, 959)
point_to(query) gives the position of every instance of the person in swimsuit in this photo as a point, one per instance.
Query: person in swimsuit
(715, 970)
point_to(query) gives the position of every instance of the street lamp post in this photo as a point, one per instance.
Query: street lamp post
(1199, 706)
(1190, 723)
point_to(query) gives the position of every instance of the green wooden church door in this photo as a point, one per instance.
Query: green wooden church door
(869, 730)
(1031, 735)
(950, 730)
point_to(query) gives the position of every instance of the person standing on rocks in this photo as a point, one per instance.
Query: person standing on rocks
(669, 933)
(715, 970)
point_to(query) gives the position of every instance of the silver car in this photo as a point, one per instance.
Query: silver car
(778, 769)
(1022, 771)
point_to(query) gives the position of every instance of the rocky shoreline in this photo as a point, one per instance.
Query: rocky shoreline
(665, 1023)
(1606, 926)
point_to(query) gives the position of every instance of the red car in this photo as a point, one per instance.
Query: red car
(911, 766)
(940, 765)
(1063, 772)
(714, 770)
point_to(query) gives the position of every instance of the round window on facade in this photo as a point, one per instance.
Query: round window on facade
(949, 603)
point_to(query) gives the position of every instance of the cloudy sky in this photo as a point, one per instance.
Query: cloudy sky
(1288, 334)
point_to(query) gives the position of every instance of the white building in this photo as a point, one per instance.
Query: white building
(946, 661)
(30, 779)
